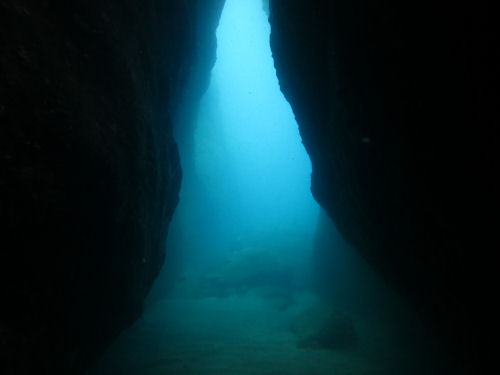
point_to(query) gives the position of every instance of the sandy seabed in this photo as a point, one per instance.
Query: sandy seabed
(246, 334)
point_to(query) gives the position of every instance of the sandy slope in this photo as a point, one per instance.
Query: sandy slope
(246, 334)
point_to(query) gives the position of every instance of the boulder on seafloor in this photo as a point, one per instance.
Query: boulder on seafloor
(252, 267)
(243, 270)
(324, 327)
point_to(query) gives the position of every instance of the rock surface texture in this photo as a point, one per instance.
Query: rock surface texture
(395, 102)
(89, 170)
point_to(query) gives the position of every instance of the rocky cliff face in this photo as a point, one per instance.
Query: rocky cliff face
(89, 169)
(395, 102)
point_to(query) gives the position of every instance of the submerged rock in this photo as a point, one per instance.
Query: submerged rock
(245, 270)
(385, 108)
(252, 267)
(324, 327)
(89, 170)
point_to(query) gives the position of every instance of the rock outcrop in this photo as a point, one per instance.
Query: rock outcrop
(89, 169)
(395, 103)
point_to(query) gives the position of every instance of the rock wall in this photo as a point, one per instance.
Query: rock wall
(395, 103)
(89, 170)
(184, 111)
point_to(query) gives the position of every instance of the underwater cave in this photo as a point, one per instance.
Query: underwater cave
(245, 187)
(243, 288)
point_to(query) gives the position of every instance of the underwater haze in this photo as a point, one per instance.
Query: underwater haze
(257, 278)
(248, 148)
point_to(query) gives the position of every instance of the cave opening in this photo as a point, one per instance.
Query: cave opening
(257, 278)
(249, 163)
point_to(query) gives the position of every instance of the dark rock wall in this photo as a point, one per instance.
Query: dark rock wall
(184, 109)
(89, 171)
(197, 77)
(396, 102)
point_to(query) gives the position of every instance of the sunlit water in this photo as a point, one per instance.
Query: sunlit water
(249, 154)
(244, 237)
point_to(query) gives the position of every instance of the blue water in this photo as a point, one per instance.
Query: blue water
(251, 256)
(248, 149)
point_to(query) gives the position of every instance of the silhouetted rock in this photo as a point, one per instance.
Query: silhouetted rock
(89, 170)
(396, 103)
(241, 271)
(251, 267)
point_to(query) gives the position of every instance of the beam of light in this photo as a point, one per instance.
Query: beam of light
(259, 169)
